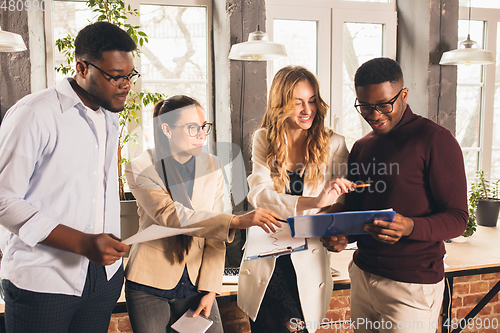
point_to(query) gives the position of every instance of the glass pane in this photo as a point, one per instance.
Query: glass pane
(301, 43)
(176, 57)
(495, 153)
(69, 17)
(353, 125)
(469, 99)
(470, 73)
(468, 116)
(480, 3)
(362, 42)
(471, 164)
(497, 65)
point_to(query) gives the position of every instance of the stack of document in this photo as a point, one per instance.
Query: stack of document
(263, 245)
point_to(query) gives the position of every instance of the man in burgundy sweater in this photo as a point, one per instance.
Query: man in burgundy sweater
(415, 167)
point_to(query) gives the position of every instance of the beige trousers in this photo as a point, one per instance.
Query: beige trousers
(383, 305)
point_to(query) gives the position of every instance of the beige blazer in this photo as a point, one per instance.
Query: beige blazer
(152, 263)
(314, 280)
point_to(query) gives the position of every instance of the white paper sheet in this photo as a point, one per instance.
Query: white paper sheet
(261, 244)
(187, 324)
(156, 231)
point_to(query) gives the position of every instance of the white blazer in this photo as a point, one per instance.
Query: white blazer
(314, 280)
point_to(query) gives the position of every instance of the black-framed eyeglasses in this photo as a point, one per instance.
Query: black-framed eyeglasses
(118, 80)
(194, 129)
(383, 108)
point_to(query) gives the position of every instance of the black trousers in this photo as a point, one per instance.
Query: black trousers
(28, 311)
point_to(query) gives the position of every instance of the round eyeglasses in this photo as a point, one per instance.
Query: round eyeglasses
(118, 80)
(383, 108)
(194, 129)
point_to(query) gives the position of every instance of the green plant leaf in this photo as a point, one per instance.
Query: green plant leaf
(116, 12)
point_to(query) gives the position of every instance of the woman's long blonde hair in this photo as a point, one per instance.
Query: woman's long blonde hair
(279, 108)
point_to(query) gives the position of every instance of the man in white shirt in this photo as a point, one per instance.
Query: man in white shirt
(59, 206)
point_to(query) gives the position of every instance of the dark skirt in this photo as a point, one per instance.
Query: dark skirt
(280, 307)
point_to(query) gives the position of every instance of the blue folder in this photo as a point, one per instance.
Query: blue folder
(345, 223)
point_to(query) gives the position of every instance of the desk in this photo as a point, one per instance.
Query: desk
(339, 261)
(479, 255)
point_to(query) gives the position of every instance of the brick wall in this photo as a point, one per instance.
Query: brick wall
(119, 323)
(467, 291)
(235, 321)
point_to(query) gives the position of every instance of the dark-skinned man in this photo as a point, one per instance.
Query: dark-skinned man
(415, 167)
(59, 206)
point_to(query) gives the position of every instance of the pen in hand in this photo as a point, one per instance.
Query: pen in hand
(288, 249)
(361, 185)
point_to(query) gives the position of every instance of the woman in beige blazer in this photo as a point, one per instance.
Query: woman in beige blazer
(297, 168)
(177, 185)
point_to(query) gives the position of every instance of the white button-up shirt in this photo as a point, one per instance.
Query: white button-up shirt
(49, 156)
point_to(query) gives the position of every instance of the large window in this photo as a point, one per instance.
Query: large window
(67, 18)
(481, 3)
(331, 40)
(470, 91)
(495, 148)
(301, 38)
(362, 42)
(478, 93)
(175, 61)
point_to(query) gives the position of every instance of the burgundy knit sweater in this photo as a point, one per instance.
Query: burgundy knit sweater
(417, 169)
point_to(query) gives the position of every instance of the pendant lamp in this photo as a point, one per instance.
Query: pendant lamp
(11, 42)
(468, 53)
(258, 47)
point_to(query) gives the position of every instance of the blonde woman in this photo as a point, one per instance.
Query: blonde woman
(178, 185)
(298, 165)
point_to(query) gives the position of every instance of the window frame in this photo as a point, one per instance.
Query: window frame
(331, 15)
(323, 19)
(135, 20)
(491, 19)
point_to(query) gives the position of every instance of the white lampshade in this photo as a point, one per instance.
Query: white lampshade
(467, 54)
(11, 42)
(258, 48)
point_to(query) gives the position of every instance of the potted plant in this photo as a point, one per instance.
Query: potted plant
(484, 203)
(114, 11)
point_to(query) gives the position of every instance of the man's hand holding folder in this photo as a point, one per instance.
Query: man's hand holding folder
(335, 243)
(390, 232)
(334, 224)
(383, 231)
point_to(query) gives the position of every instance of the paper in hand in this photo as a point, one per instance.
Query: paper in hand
(156, 231)
(261, 244)
(187, 324)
